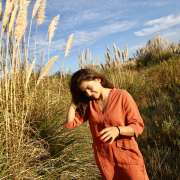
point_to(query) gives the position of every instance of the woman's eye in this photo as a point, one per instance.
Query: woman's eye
(89, 88)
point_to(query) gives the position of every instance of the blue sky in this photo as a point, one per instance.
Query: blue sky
(97, 24)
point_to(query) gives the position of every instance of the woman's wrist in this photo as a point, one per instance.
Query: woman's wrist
(118, 130)
(73, 105)
(125, 130)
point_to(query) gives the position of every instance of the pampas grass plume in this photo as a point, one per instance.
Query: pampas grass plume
(7, 12)
(21, 21)
(13, 17)
(29, 69)
(46, 68)
(52, 28)
(69, 44)
(40, 16)
(36, 7)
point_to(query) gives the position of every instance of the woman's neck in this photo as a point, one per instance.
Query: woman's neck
(104, 94)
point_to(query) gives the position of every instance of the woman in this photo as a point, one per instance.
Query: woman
(115, 123)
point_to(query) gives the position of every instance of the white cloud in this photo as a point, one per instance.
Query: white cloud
(88, 15)
(79, 18)
(158, 3)
(89, 18)
(172, 35)
(157, 25)
(41, 45)
(91, 36)
(136, 47)
(83, 37)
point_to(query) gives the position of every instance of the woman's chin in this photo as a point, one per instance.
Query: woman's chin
(95, 97)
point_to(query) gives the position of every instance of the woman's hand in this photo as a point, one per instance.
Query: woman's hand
(71, 112)
(109, 133)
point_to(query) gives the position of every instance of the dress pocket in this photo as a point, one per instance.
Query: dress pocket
(127, 152)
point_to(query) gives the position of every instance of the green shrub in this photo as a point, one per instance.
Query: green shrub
(156, 50)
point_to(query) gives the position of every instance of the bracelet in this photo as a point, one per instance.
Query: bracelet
(118, 129)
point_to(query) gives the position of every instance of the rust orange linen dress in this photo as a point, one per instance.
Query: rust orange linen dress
(121, 160)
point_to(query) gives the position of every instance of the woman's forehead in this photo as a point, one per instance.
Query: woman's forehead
(86, 82)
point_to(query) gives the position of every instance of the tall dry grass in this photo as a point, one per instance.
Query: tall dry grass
(114, 58)
(24, 95)
(157, 50)
(18, 90)
(86, 59)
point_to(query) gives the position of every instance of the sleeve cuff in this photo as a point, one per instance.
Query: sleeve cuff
(75, 123)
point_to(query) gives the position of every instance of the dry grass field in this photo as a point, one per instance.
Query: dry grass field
(33, 105)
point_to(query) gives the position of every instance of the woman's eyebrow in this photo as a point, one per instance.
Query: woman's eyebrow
(87, 87)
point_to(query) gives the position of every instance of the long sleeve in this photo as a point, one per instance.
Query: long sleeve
(133, 117)
(78, 120)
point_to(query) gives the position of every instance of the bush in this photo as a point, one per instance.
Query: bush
(156, 50)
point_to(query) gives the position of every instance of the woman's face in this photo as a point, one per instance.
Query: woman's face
(91, 88)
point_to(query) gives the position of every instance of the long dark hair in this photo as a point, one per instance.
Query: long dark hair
(78, 97)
